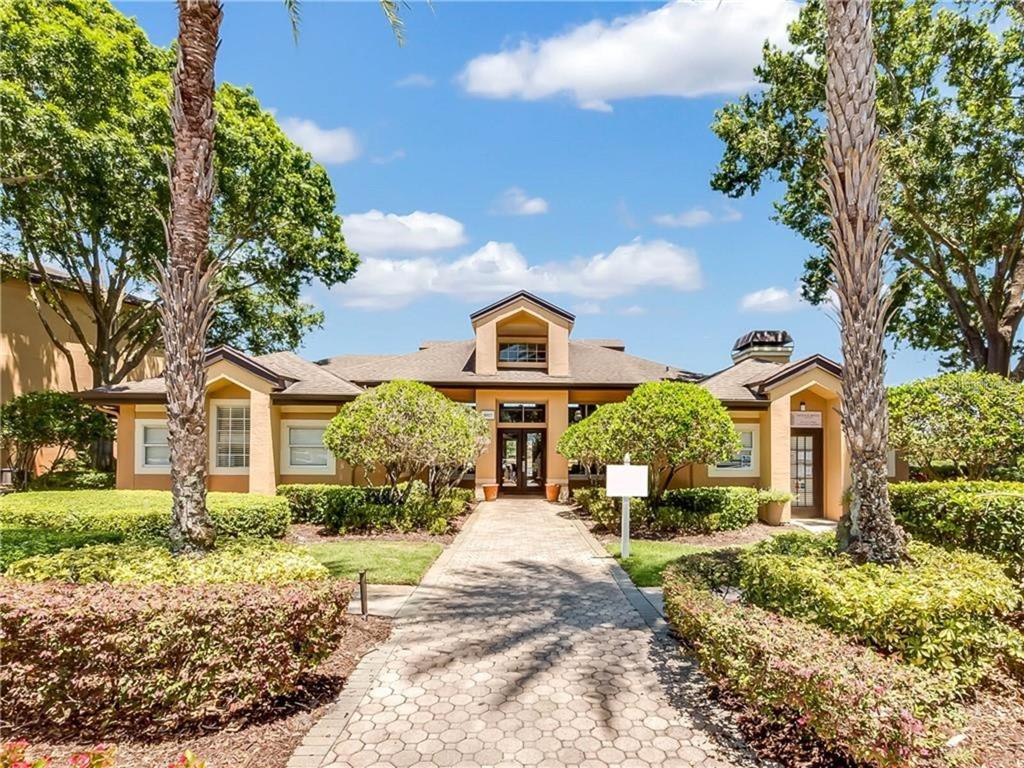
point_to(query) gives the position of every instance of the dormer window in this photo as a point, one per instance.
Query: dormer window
(528, 353)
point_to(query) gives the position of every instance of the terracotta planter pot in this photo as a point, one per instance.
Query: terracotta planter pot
(551, 491)
(490, 492)
(774, 513)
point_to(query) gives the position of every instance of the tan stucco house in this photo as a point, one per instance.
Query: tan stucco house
(528, 377)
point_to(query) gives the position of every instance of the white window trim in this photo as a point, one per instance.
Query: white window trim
(141, 468)
(212, 429)
(755, 456)
(890, 463)
(286, 466)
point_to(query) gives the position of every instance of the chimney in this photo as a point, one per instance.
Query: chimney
(773, 346)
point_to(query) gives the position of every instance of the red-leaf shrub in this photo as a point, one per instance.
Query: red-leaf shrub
(90, 657)
(876, 710)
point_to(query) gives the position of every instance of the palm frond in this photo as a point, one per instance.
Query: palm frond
(292, 6)
(391, 9)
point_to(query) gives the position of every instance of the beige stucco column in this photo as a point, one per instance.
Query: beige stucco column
(779, 448)
(836, 466)
(558, 421)
(126, 446)
(262, 474)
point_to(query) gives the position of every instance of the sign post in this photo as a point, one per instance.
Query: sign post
(625, 481)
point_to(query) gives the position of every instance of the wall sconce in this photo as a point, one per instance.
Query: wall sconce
(803, 406)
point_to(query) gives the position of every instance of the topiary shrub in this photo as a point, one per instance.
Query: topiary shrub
(984, 517)
(855, 701)
(942, 611)
(351, 509)
(607, 513)
(91, 657)
(255, 561)
(706, 510)
(139, 515)
(73, 480)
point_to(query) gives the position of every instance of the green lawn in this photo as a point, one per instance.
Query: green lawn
(647, 559)
(385, 562)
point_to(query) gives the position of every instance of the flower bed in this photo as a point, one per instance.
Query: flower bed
(87, 658)
(353, 509)
(984, 517)
(138, 515)
(851, 698)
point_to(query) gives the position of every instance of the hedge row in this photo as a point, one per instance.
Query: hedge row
(351, 509)
(19, 543)
(87, 658)
(237, 560)
(984, 517)
(684, 510)
(72, 480)
(942, 611)
(140, 515)
(854, 700)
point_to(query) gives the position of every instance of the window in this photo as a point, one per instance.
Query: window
(580, 411)
(230, 437)
(152, 454)
(522, 353)
(744, 463)
(302, 448)
(521, 413)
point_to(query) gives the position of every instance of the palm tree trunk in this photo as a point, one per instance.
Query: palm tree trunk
(853, 176)
(186, 282)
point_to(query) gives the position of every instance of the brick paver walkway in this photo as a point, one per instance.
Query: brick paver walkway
(521, 649)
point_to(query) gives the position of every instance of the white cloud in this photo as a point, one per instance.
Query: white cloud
(416, 80)
(379, 232)
(771, 300)
(390, 157)
(515, 202)
(497, 268)
(633, 310)
(696, 217)
(687, 48)
(326, 145)
(587, 308)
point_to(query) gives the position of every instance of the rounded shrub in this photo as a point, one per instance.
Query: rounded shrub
(86, 658)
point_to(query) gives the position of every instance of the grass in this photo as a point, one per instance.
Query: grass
(648, 559)
(385, 562)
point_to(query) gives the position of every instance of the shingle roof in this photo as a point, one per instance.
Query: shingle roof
(452, 363)
(294, 378)
(748, 379)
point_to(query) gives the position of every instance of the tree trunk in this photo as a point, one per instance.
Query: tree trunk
(853, 175)
(186, 281)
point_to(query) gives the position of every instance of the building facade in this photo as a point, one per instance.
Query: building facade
(528, 377)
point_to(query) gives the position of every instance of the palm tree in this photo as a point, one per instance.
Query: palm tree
(187, 282)
(859, 242)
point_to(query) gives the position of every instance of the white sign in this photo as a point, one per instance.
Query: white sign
(626, 480)
(489, 415)
(810, 419)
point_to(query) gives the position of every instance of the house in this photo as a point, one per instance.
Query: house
(529, 378)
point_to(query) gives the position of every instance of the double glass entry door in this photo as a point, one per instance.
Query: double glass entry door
(521, 460)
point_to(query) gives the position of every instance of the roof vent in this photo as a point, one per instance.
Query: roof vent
(775, 346)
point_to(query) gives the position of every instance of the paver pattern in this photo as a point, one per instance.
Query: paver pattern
(520, 649)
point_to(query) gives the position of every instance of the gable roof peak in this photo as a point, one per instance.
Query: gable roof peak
(523, 294)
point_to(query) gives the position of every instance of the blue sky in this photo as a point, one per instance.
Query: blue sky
(560, 147)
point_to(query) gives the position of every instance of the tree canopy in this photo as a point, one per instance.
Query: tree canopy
(410, 430)
(974, 421)
(85, 137)
(667, 425)
(951, 112)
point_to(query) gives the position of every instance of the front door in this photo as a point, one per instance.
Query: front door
(805, 471)
(521, 460)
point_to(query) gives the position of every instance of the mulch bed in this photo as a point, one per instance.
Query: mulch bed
(749, 535)
(265, 742)
(995, 726)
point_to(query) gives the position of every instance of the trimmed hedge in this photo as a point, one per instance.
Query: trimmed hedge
(984, 516)
(93, 657)
(19, 543)
(854, 700)
(140, 515)
(943, 611)
(254, 561)
(683, 510)
(72, 480)
(352, 509)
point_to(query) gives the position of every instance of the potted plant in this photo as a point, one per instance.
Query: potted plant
(773, 503)
(490, 492)
(551, 491)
